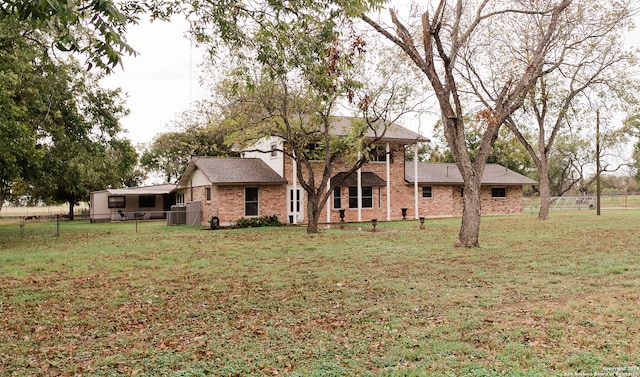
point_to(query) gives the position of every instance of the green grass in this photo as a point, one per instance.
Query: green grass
(539, 298)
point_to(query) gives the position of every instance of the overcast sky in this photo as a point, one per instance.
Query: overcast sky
(159, 83)
(162, 81)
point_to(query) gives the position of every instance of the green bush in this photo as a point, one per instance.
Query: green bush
(258, 222)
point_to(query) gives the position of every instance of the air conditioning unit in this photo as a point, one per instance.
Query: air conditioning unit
(177, 216)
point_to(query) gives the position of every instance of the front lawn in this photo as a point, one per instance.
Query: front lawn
(549, 298)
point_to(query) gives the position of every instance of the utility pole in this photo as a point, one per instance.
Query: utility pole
(598, 162)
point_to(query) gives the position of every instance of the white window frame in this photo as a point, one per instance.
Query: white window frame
(364, 197)
(337, 198)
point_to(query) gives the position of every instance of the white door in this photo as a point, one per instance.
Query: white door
(295, 205)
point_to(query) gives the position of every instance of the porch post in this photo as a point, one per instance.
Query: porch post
(359, 175)
(415, 179)
(294, 194)
(388, 160)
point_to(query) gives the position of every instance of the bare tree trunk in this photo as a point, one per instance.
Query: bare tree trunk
(470, 229)
(544, 189)
(313, 212)
(471, 172)
(438, 63)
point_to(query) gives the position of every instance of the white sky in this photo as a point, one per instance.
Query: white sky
(163, 80)
(160, 82)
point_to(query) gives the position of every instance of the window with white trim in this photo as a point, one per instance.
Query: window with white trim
(367, 197)
(337, 198)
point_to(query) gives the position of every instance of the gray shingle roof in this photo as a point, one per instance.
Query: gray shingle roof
(394, 132)
(448, 173)
(368, 179)
(232, 171)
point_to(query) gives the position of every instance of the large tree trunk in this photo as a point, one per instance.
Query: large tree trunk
(469, 235)
(545, 191)
(471, 172)
(313, 213)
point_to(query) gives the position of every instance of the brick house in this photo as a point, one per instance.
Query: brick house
(441, 189)
(264, 183)
(232, 188)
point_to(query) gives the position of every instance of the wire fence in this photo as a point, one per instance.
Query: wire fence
(31, 226)
(37, 224)
(582, 202)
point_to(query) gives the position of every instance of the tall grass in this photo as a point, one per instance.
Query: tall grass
(539, 298)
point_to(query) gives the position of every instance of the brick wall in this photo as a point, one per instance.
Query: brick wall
(227, 202)
(445, 200)
(511, 204)
(401, 193)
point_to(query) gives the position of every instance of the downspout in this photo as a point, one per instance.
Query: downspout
(415, 179)
(388, 159)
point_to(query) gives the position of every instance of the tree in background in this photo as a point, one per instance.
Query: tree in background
(572, 160)
(23, 69)
(197, 133)
(456, 49)
(618, 184)
(59, 129)
(594, 67)
(566, 167)
(80, 146)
